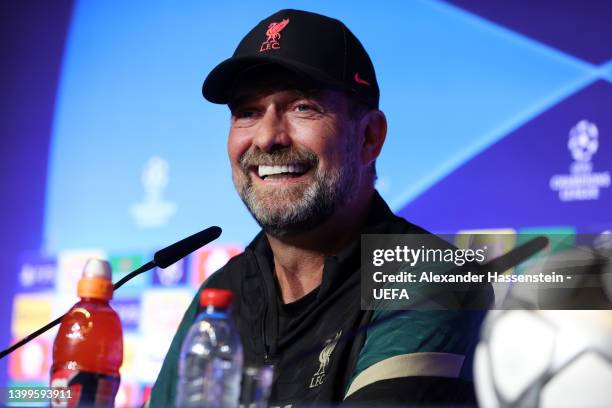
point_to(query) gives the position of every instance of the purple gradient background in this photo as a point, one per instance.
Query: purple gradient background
(579, 28)
(32, 35)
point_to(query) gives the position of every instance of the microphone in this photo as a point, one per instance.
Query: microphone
(162, 258)
(517, 255)
(170, 254)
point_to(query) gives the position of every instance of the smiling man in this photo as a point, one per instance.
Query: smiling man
(303, 163)
(305, 133)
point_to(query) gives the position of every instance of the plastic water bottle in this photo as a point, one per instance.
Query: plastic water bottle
(88, 348)
(210, 365)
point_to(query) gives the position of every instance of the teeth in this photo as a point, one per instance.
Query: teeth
(271, 170)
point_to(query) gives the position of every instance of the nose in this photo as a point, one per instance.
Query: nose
(271, 133)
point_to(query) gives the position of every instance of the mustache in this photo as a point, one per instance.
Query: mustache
(284, 156)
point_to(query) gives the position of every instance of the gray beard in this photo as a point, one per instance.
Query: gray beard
(295, 209)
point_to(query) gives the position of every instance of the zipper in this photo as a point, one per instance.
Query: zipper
(266, 355)
(269, 350)
(266, 349)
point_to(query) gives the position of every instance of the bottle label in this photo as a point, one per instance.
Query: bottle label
(86, 388)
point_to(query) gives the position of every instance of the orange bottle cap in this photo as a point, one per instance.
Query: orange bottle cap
(96, 281)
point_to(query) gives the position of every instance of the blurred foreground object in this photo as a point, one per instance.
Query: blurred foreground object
(529, 357)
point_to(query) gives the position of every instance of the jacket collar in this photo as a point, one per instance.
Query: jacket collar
(341, 269)
(380, 219)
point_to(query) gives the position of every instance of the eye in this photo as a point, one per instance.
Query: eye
(243, 113)
(245, 116)
(304, 107)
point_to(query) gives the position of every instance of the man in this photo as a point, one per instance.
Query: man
(304, 137)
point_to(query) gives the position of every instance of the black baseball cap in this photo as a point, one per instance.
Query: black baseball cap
(316, 47)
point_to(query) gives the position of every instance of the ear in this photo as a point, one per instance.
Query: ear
(373, 128)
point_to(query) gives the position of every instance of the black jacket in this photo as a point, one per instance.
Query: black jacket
(334, 341)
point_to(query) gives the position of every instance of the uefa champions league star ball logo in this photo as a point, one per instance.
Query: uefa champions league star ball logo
(583, 141)
(582, 183)
(154, 210)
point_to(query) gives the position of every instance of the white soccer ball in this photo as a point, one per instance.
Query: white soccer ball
(551, 358)
(583, 141)
(545, 358)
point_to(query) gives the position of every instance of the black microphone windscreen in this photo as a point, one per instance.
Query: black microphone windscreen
(171, 254)
(517, 255)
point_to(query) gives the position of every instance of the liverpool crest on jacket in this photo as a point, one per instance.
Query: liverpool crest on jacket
(324, 357)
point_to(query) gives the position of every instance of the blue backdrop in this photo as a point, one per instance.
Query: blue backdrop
(499, 118)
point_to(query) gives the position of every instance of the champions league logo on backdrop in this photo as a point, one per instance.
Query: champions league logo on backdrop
(582, 183)
(583, 141)
(154, 210)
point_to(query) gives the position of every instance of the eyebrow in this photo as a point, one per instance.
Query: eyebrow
(241, 98)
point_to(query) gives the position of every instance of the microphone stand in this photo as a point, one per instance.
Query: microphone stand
(162, 258)
(146, 267)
